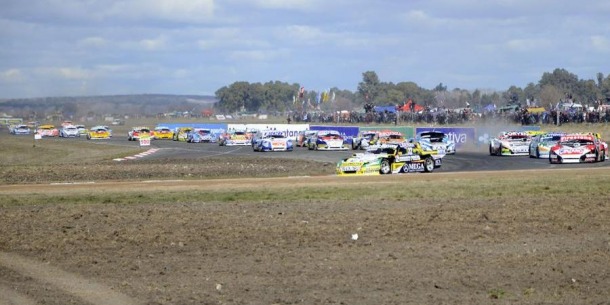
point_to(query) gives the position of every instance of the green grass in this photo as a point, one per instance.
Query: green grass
(534, 188)
(24, 151)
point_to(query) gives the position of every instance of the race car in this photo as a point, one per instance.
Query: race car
(390, 137)
(162, 133)
(180, 133)
(541, 144)
(235, 137)
(200, 135)
(436, 140)
(139, 132)
(81, 129)
(578, 148)
(389, 159)
(302, 139)
(69, 131)
(328, 140)
(21, 129)
(67, 123)
(47, 130)
(364, 140)
(598, 136)
(510, 143)
(98, 132)
(271, 140)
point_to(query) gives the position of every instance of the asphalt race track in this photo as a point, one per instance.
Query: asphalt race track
(476, 159)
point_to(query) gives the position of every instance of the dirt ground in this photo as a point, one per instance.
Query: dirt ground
(401, 251)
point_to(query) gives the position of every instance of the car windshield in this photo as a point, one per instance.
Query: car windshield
(577, 142)
(517, 138)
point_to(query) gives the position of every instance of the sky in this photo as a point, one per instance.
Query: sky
(113, 47)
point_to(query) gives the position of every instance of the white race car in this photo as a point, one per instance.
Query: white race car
(436, 140)
(271, 140)
(20, 129)
(510, 143)
(69, 131)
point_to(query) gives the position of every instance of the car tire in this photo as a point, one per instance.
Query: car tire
(429, 165)
(537, 153)
(386, 167)
(491, 152)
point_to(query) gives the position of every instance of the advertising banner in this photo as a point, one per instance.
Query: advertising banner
(289, 130)
(462, 136)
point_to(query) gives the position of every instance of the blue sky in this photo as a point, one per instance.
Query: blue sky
(105, 47)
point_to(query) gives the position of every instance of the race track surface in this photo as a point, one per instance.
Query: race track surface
(470, 159)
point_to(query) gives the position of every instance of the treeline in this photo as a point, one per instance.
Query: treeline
(98, 106)
(279, 96)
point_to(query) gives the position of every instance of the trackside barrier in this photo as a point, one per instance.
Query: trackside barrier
(462, 136)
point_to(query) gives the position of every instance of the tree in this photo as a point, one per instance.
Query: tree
(514, 96)
(369, 87)
(440, 88)
(563, 80)
(531, 92)
(550, 96)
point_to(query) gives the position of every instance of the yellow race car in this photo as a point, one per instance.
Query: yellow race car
(98, 132)
(162, 133)
(390, 159)
(181, 133)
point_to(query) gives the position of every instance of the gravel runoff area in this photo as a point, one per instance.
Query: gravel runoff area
(403, 250)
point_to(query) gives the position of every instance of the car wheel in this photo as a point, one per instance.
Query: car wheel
(491, 151)
(537, 153)
(386, 167)
(603, 157)
(429, 165)
(499, 151)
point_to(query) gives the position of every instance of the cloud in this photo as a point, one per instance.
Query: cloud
(528, 45)
(253, 56)
(65, 73)
(95, 11)
(231, 38)
(12, 75)
(600, 43)
(153, 44)
(96, 42)
(285, 4)
(187, 11)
